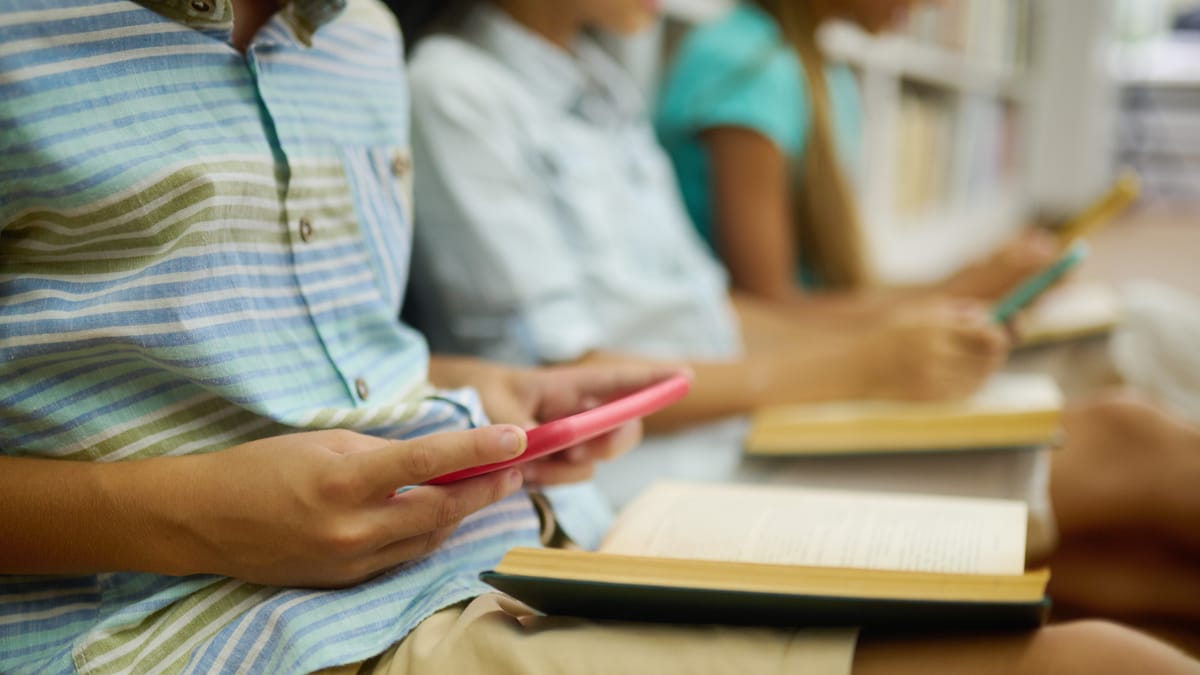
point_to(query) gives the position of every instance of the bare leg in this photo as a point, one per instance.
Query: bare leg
(1087, 647)
(1126, 576)
(1127, 467)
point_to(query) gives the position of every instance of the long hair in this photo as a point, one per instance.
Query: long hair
(421, 18)
(828, 227)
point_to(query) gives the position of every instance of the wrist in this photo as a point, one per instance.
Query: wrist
(453, 372)
(859, 366)
(836, 372)
(157, 506)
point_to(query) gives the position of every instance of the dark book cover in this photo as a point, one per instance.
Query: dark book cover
(662, 604)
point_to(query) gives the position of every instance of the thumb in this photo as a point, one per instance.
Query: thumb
(413, 462)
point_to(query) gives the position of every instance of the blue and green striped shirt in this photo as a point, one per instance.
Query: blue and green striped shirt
(199, 248)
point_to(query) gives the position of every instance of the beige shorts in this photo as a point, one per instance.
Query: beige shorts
(496, 634)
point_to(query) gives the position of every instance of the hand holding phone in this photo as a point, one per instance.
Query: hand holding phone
(567, 432)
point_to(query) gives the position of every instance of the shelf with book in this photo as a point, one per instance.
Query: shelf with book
(1158, 120)
(908, 58)
(974, 115)
(944, 102)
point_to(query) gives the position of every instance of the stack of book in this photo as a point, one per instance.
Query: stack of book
(866, 532)
(1010, 412)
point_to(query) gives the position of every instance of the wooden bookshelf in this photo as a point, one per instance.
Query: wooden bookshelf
(910, 59)
(945, 109)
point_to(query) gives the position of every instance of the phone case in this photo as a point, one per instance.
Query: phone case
(570, 431)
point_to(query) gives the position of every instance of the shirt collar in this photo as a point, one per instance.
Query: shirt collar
(215, 17)
(583, 80)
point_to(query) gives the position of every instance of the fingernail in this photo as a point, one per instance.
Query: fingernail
(511, 441)
(514, 479)
(577, 454)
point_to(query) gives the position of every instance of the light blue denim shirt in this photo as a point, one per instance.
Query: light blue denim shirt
(550, 225)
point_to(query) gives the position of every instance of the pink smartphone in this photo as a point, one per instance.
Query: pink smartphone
(567, 432)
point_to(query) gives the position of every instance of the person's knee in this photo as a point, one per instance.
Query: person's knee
(1116, 415)
(1098, 648)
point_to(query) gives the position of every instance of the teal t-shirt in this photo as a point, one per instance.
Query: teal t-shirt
(738, 71)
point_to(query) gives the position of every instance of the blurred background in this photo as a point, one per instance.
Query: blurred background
(983, 115)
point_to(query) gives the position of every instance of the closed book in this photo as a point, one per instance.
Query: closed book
(1011, 411)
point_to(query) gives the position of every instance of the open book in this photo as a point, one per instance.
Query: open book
(1010, 411)
(1075, 311)
(709, 553)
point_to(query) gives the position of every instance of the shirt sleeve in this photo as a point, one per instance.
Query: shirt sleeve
(736, 74)
(491, 261)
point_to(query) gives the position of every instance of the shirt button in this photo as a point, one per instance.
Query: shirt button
(202, 6)
(360, 386)
(401, 164)
(306, 229)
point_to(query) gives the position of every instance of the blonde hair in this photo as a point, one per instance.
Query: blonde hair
(828, 226)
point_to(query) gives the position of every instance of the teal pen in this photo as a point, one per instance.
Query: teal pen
(1027, 292)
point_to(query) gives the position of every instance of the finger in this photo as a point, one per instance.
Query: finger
(511, 406)
(955, 378)
(406, 550)
(970, 366)
(412, 462)
(988, 339)
(972, 313)
(1042, 244)
(574, 386)
(559, 472)
(613, 444)
(602, 448)
(956, 387)
(434, 507)
(1014, 329)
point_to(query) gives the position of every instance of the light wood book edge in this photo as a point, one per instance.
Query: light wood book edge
(777, 431)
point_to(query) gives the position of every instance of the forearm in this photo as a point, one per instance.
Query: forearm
(811, 321)
(767, 326)
(839, 310)
(61, 517)
(722, 389)
(452, 372)
(738, 387)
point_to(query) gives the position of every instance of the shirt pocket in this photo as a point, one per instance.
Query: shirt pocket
(381, 180)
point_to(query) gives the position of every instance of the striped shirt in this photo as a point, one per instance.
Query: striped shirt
(199, 248)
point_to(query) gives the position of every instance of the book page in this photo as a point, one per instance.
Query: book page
(995, 474)
(823, 528)
(1076, 306)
